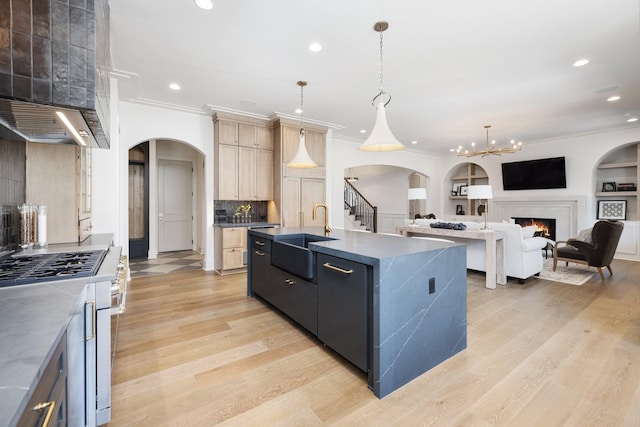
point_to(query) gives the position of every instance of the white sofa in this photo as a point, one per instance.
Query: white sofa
(523, 252)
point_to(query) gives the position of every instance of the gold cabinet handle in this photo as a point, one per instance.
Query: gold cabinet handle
(333, 267)
(259, 253)
(259, 243)
(93, 320)
(40, 406)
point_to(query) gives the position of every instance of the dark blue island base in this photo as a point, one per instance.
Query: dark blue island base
(393, 306)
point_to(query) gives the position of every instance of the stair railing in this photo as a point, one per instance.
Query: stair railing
(360, 207)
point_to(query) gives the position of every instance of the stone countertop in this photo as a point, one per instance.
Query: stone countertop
(246, 224)
(365, 248)
(33, 319)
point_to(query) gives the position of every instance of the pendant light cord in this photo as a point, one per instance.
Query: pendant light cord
(381, 27)
(381, 65)
(302, 84)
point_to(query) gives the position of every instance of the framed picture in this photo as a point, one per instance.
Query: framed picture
(463, 190)
(612, 209)
(608, 186)
(455, 188)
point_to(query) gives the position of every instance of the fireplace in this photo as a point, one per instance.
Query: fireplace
(546, 226)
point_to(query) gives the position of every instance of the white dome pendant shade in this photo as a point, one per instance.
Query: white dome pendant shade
(302, 158)
(381, 138)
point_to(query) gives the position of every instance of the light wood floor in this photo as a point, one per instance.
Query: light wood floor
(193, 350)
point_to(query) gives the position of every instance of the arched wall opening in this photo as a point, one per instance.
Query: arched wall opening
(175, 209)
(387, 188)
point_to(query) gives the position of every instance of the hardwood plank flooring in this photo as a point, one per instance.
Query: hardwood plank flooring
(194, 350)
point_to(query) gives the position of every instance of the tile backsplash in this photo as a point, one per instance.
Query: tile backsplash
(258, 209)
(12, 191)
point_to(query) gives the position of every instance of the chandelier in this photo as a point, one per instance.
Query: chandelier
(381, 138)
(490, 148)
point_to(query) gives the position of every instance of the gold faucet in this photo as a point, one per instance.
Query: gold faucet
(327, 229)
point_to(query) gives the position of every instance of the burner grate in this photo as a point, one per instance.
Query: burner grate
(22, 270)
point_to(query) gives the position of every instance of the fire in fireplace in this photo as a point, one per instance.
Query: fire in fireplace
(546, 226)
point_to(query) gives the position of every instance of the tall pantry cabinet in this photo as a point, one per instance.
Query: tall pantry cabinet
(297, 190)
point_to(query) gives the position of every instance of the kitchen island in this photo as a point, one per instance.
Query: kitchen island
(393, 306)
(34, 319)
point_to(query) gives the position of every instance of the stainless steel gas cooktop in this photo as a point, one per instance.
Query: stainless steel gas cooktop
(38, 268)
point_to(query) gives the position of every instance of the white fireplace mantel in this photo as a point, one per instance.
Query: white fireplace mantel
(568, 211)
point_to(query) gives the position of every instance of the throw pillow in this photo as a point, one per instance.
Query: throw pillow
(528, 231)
(585, 235)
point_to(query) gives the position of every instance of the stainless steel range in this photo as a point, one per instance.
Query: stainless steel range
(88, 331)
(26, 269)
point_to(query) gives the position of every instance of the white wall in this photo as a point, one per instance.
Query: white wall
(137, 123)
(345, 154)
(582, 154)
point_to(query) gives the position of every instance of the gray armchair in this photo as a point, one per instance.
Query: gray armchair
(596, 250)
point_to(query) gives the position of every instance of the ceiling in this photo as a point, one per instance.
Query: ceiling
(451, 66)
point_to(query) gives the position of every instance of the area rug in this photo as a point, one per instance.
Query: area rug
(574, 274)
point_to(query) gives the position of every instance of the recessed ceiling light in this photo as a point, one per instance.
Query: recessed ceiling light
(613, 98)
(632, 119)
(315, 47)
(298, 111)
(204, 4)
(363, 131)
(580, 62)
(174, 86)
(414, 142)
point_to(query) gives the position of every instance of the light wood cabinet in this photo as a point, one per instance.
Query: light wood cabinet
(231, 250)
(244, 153)
(251, 135)
(227, 172)
(301, 194)
(314, 141)
(255, 174)
(227, 132)
(264, 174)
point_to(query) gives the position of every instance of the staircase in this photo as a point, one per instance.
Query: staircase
(359, 213)
(351, 223)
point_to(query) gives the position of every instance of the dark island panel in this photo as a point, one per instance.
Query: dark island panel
(405, 308)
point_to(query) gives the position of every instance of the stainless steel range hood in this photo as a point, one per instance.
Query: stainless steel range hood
(43, 123)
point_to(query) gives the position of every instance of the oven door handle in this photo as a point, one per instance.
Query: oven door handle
(93, 320)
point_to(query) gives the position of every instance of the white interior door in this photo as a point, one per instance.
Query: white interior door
(175, 206)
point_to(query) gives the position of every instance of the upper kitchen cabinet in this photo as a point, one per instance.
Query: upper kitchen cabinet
(59, 176)
(287, 140)
(244, 158)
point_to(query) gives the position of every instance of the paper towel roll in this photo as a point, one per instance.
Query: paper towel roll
(42, 225)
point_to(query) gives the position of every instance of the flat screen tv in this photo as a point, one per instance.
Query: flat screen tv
(534, 174)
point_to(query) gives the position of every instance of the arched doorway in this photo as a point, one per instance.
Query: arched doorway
(167, 207)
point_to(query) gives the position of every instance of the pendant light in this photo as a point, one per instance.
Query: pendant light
(381, 138)
(302, 158)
